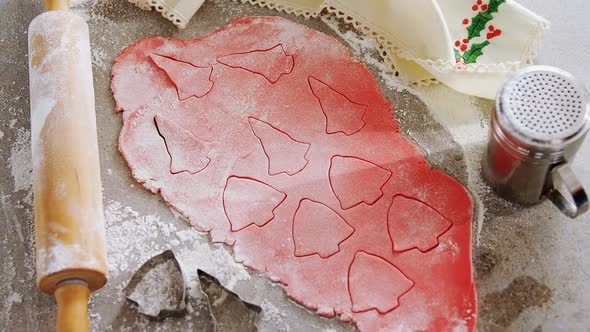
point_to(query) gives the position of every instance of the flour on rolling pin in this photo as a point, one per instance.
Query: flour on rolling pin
(67, 190)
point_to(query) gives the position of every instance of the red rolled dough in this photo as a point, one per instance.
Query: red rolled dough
(268, 135)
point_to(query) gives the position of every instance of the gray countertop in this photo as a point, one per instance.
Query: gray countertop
(531, 264)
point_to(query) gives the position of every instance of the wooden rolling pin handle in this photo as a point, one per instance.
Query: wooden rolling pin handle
(72, 307)
(57, 4)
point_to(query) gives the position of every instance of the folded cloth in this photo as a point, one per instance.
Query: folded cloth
(469, 45)
(177, 11)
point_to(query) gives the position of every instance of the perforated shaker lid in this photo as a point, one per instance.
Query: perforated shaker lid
(545, 104)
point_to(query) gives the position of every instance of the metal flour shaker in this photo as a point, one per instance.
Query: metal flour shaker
(541, 118)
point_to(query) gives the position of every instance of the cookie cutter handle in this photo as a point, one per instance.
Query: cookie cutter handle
(566, 191)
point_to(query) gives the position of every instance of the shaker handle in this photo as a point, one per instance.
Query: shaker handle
(569, 195)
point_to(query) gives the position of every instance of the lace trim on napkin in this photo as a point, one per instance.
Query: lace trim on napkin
(281, 7)
(535, 43)
(161, 7)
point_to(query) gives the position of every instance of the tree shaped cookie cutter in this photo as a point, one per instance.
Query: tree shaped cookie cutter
(159, 287)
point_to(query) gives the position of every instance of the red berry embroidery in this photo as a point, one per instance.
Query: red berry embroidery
(479, 7)
(493, 34)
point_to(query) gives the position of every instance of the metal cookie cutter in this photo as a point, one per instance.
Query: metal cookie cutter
(159, 287)
(542, 117)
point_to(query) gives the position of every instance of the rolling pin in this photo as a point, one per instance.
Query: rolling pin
(69, 221)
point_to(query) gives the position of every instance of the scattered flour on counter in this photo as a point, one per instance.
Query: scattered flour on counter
(81, 8)
(99, 58)
(358, 43)
(13, 298)
(132, 239)
(21, 165)
(184, 235)
(8, 270)
(272, 314)
(81, 3)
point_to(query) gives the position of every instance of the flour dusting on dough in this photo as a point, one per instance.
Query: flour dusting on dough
(457, 112)
(264, 240)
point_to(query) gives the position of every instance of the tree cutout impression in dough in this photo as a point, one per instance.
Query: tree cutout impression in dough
(268, 135)
(187, 153)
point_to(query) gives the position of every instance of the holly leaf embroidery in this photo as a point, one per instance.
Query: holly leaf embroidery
(457, 54)
(479, 22)
(475, 52)
(493, 6)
